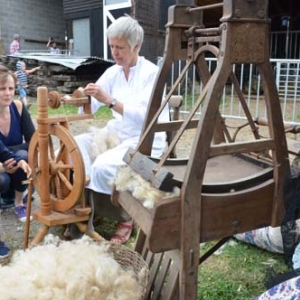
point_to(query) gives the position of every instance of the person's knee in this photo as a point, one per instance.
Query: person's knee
(16, 180)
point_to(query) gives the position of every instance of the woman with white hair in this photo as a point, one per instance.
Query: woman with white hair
(126, 89)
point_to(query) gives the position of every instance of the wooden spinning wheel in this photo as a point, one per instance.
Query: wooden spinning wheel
(58, 167)
(66, 168)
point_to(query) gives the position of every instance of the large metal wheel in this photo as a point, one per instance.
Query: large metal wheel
(66, 168)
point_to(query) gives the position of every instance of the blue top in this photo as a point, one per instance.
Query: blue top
(15, 136)
(6, 154)
(20, 131)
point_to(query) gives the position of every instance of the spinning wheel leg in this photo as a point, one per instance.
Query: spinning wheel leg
(42, 232)
(83, 227)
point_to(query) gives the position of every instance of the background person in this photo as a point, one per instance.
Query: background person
(125, 88)
(53, 46)
(22, 80)
(16, 130)
(15, 44)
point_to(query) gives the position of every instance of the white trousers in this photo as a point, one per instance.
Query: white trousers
(103, 169)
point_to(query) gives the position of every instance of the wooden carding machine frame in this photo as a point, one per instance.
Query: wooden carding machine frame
(225, 189)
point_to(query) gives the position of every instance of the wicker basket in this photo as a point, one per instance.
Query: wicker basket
(131, 260)
(5, 260)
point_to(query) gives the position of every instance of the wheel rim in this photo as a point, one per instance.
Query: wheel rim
(66, 168)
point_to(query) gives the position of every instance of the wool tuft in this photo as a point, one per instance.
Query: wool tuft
(128, 180)
(103, 140)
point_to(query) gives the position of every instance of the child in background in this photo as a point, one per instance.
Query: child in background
(22, 80)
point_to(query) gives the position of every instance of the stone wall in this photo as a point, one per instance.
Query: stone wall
(53, 76)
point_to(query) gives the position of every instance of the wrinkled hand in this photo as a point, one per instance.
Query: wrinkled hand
(10, 166)
(97, 92)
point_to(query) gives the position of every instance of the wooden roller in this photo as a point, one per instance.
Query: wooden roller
(77, 98)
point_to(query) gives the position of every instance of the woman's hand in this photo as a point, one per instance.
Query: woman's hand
(97, 92)
(25, 167)
(10, 166)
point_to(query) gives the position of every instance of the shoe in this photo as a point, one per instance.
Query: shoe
(123, 233)
(4, 251)
(6, 203)
(21, 213)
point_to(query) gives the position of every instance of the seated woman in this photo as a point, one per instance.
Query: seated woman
(16, 130)
(12, 161)
(125, 88)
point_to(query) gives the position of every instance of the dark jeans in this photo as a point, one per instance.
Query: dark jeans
(9, 183)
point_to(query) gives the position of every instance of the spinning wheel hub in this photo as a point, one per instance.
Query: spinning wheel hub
(54, 99)
(53, 168)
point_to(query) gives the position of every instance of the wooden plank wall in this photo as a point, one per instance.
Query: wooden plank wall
(75, 6)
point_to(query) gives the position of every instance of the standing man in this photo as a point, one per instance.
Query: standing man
(15, 45)
(53, 48)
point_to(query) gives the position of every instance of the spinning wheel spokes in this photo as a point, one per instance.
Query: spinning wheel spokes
(66, 168)
(60, 153)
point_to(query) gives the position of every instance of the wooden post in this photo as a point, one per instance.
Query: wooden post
(42, 99)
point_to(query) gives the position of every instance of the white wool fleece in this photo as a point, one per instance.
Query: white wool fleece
(81, 269)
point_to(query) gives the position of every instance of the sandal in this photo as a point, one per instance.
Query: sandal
(123, 233)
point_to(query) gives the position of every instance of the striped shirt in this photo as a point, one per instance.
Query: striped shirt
(22, 77)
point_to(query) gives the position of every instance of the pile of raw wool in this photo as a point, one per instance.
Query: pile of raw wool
(80, 269)
(128, 180)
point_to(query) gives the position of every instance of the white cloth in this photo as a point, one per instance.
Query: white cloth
(135, 95)
(54, 50)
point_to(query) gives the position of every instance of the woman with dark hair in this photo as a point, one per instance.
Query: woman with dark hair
(16, 130)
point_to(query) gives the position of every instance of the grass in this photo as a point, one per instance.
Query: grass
(238, 273)
(104, 112)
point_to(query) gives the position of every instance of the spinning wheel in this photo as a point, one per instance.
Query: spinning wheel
(66, 168)
(57, 165)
